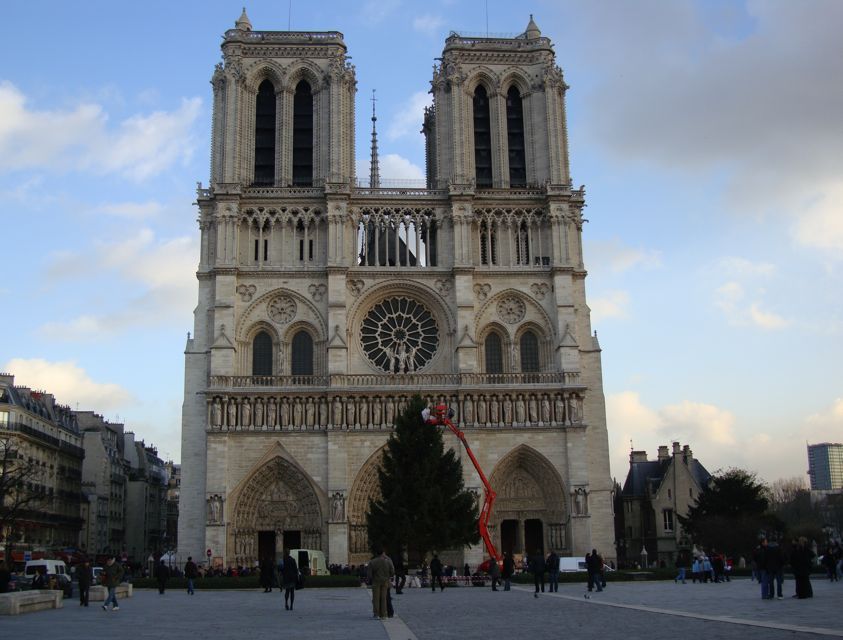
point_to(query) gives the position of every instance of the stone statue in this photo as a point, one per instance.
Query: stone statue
(350, 412)
(481, 410)
(337, 412)
(376, 412)
(364, 412)
(507, 410)
(323, 413)
(309, 413)
(468, 410)
(581, 501)
(390, 411)
(232, 412)
(271, 413)
(285, 413)
(520, 410)
(258, 413)
(216, 413)
(215, 510)
(493, 411)
(559, 409)
(533, 409)
(246, 409)
(338, 507)
(297, 417)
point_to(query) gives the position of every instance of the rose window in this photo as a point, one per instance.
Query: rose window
(399, 335)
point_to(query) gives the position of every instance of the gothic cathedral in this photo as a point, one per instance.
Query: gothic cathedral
(325, 305)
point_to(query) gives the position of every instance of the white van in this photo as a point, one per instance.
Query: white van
(51, 567)
(311, 562)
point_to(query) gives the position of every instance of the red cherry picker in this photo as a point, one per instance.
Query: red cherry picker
(441, 415)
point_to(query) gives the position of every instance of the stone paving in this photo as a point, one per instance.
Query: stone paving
(624, 611)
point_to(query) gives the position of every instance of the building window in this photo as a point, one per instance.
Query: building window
(669, 496)
(303, 136)
(515, 138)
(482, 138)
(494, 354)
(529, 352)
(488, 243)
(262, 355)
(265, 134)
(667, 516)
(302, 362)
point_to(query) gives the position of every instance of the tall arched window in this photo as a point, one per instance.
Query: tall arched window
(265, 134)
(262, 355)
(494, 354)
(529, 352)
(303, 136)
(302, 351)
(482, 138)
(515, 138)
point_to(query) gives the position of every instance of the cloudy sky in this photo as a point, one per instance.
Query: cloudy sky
(709, 136)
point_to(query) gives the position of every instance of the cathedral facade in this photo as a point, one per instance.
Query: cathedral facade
(324, 306)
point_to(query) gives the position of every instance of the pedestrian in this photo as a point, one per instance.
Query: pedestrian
(494, 573)
(508, 570)
(5, 577)
(289, 577)
(708, 570)
(760, 557)
(112, 577)
(829, 561)
(696, 570)
(39, 581)
(537, 568)
(266, 568)
(400, 573)
(681, 564)
(85, 576)
(162, 573)
(594, 565)
(801, 559)
(380, 572)
(552, 571)
(436, 573)
(775, 569)
(191, 572)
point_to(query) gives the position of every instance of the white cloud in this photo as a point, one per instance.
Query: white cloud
(741, 299)
(428, 24)
(410, 116)
(741, 267)
(612, 304)
(766, 319)
(80, 139)
(69, 383)
(130, 210)
(620, 257)
(830, 418)
(754, 104)
(393, 168)
(821, 225)
(376, 11)
(157, 276)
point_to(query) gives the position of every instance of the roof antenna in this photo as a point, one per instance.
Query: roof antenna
(487, 18)
(289, 15)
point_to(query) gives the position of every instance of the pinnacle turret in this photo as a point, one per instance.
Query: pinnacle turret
(243, 23)
(374, 169)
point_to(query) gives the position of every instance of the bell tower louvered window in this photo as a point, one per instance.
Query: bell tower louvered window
(529, 352)
(265, 134)
(482, 138)
(302, 363)
(515, 138)
(303, 136)
(262, 355)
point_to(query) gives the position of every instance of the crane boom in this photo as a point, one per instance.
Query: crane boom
(440, 415)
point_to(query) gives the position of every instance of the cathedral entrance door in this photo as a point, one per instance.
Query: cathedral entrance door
(266, 545)
(533, 536)
(509, 536)
(292, 539)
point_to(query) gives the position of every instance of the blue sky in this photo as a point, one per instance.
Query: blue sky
(708, 136)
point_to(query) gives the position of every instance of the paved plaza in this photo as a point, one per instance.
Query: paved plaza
(625, 611)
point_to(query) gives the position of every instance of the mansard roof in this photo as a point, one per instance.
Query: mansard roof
(645, 478)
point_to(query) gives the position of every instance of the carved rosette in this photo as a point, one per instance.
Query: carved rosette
(246, 291)
(511, 310)
(482, 290)
(281, 309)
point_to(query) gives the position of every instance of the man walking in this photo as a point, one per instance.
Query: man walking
(553, 571)
(191, 572)
(537, 568)
(508, 570)
(436, 573)
(380, 573)
(594, 564)
(112, 577)
(85, 575)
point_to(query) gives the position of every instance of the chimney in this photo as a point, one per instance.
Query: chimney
(686, 451)
(637, 456)
(676, 449)
(663, 454)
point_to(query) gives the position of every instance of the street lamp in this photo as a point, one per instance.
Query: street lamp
(644, 564)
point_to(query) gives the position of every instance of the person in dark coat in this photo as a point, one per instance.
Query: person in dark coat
(85, 576)
(594, 565)
(508, 570)
(553, 571)
(537, 568)
(494, 573)
(266, 570)
(436, 573)
(801, 558)
(191, 572)
(289, 577)
(775, 569)
(162, 573)
(400, 573)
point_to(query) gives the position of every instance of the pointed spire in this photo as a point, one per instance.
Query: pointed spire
(243, 22)
(374, 169)
(532, 30)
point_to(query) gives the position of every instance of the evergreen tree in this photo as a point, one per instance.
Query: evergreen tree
(730, 513)
(424, 505)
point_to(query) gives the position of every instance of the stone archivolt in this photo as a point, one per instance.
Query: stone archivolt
(365, 489)
(277, 497)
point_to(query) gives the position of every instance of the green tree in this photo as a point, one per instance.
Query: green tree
(730, 513)
(424, 505)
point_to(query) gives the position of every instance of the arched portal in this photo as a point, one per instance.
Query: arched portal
(531, 512)
(365, 489)
(278, 507)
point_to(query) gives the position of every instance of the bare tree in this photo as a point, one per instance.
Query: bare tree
(18, 493)
(785, 491)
